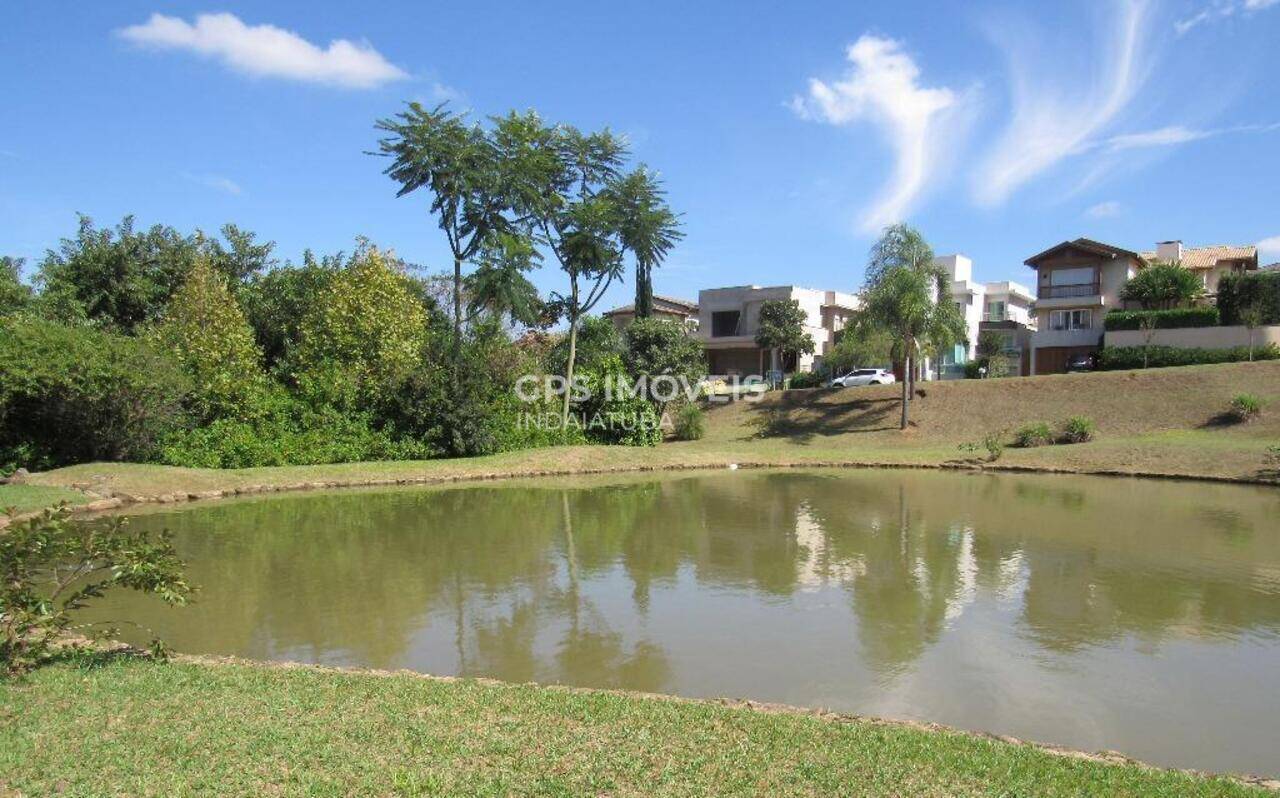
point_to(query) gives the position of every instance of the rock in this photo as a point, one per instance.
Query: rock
(102, 504)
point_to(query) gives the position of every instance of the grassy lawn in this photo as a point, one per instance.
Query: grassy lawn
(22, 498)
(185, 728)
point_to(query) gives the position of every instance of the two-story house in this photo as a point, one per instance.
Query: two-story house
(1004, 307)
(728, 319)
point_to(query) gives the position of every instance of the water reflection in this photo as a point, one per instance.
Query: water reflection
(1030, 605)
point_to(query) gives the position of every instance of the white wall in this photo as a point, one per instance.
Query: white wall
(1197, 337)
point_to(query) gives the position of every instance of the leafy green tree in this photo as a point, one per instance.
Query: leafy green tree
(859, 346)
(781, 328)
(14, 294)
(277, 301)
(990, 352)
(499, 286)
(663, 346)
(1163, 284)
(648, 228)
(208, 334)
(906, 296)
(597, 340)
(364, 333)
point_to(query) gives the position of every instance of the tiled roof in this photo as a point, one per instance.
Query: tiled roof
(663, 303)
(1083, 244)
(1208, 257)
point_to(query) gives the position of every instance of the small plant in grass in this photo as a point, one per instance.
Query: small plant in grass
(1037, 434)
(1272, 457)
(691, 423)
(1246, 407)
(1078, 429)
(50, 568)
(992, 443)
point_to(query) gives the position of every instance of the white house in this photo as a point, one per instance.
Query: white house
(728, 319)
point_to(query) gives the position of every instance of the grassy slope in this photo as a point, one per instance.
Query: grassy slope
(23, 498)
(1158, 421)
(254, 730)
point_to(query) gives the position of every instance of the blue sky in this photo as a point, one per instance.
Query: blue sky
(786, 133)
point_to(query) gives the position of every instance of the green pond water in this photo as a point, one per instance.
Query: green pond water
(1097, 613)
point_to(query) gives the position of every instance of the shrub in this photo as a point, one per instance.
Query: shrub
(616, 417)
(691, 423)
(1162, 319)
(663, 346)
(806, 379)
(1257, 290)
(598, 340)
(50, 568)
(1113, 358)
(1245, 407)
(1078, 429)
(1162, 284)
(993, 442)
(77, 394)
(1037, 434)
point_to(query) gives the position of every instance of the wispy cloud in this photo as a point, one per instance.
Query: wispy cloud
(1104, 210)
(1054, 114)
(882, 86)
(1177, 134)
(267, 51)
(1269, 249)
(216, 182)
(1220, 10)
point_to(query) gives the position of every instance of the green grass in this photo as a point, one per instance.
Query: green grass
(190, 728)
(23, 498)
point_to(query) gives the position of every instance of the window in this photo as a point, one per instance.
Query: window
(995, 311)
(724, 322)
(1070, 320)
(1071, 276)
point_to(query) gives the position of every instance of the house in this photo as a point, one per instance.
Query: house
(728, 319)
(1003, 307)
(664, 307)
(1078, 282)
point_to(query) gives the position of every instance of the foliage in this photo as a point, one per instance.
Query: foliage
(973, 370)
(806, 379)
(1175, 318)
(597, 341)
(499, 287)
(1078, 429)
(690, 423)
(663, 346)
(616, 416)
(277, 301)
(1163, 284)
(1259, 292)
(906, 296)
(859, 346)
(76, 394)
(648, 229)
(992, 443)
(50, 569)
(14, 294)
(781, 327)
(990, 356)
(124, 278)
(362, 335)
(205, 330)
(1032, 435)
(1246, 407)
(1113, 358)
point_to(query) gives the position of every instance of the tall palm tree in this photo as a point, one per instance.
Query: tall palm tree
(648, 229)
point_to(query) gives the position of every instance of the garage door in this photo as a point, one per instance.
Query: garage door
(1053, 359)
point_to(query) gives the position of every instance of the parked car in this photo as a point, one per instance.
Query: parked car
(863, 377)
(1079, 363)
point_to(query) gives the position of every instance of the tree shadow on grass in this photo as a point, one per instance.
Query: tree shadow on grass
(774, 420)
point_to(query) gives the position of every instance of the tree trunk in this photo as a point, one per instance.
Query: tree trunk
(573, 351)
(644, 291)
(906, 370)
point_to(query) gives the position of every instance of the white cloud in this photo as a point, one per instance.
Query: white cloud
(1104, 210)
(1053, 118)
(1269, 249)
(267, 51)
(882, 86)
(1219, 10)
(1162, 137)
(216, 182)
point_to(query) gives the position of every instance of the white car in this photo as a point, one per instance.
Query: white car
(863, 377)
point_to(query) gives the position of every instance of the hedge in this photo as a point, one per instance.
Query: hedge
(1238, 290)
(1164, 319)
(1113, 358)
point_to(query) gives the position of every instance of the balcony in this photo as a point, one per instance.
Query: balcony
(1069, 291)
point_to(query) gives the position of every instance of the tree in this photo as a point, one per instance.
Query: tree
(663, 346)
(990, 352)
(207, 333)
(781, 328)
(14, 294)
(1163, 284)
(859, 345)
(906, 296)
(649, 230)
(363, 334)
(499, 286)
(277, 301)
(1252, 314)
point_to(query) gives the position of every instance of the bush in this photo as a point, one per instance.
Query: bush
(663, 346)
(1032, 435)
(1077, 429)
(78, 394)
(49, 568)
(691, 423)
(1246, 407)
(1239, 292)
(1112, 358)
(1162, 319)
(619, 418)
(1162, 284)
(806, 379)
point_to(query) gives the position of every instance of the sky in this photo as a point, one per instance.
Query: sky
(787, 135)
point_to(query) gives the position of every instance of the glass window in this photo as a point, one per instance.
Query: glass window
(1071, 320)
(724, 322)
(1082, 276)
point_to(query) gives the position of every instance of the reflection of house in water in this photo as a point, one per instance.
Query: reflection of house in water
(817, 566)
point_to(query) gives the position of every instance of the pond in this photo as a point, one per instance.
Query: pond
(1097, 613)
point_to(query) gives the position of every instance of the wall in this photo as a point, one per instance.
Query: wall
(1197, 337)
